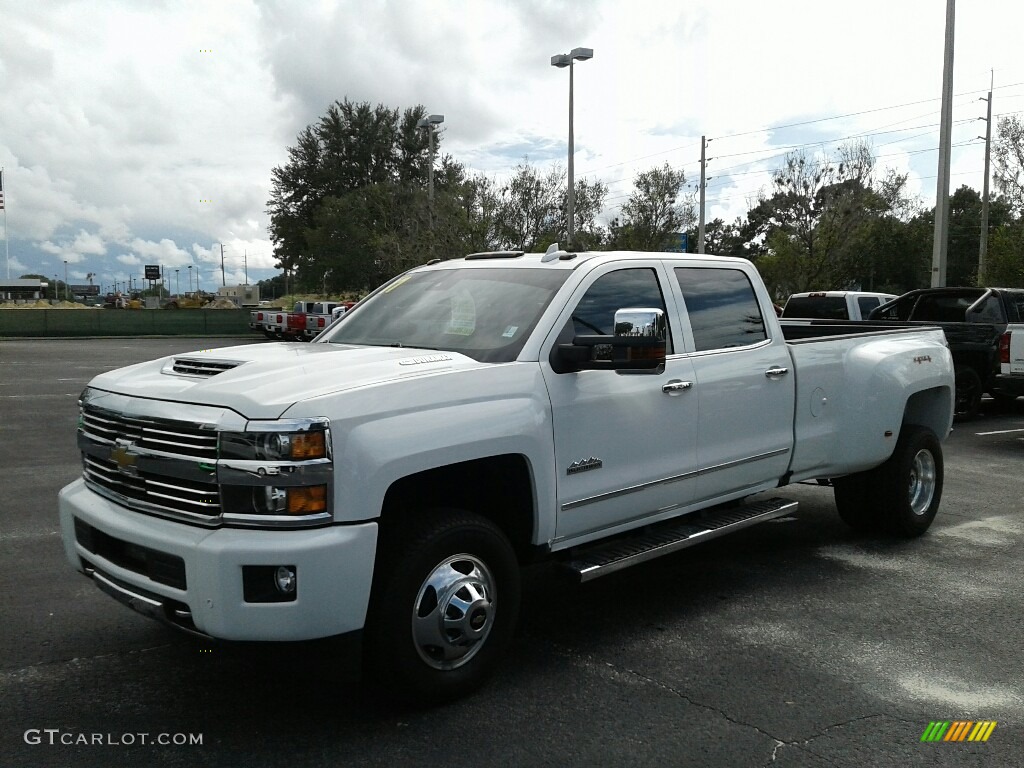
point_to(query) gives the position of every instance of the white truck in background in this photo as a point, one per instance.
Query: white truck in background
(834, 305)
(389, 480)
(1011, 361)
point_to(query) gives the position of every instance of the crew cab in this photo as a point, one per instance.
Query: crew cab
(834, 305)
(389, 480)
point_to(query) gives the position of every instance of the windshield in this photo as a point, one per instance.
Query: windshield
(486, 314)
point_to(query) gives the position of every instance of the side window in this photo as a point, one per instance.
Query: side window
(595, 314)
(722, 306)
(623, 289)
(866, 304)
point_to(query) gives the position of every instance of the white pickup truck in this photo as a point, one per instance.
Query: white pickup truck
(834, 305)
(473, 415)
(1010, 381)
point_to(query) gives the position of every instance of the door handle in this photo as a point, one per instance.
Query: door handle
(675, 386)
(776, 372)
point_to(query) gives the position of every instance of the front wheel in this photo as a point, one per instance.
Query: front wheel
(445, 603)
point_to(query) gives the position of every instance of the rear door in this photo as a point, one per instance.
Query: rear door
(745, 382)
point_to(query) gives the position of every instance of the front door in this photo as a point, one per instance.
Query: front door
(625, 441)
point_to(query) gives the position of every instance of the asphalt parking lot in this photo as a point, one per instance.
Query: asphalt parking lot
(795, 643)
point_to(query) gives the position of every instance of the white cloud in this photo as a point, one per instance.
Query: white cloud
(150, 130)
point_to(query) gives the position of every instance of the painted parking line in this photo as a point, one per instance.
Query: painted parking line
(38, 397)
(999, 432)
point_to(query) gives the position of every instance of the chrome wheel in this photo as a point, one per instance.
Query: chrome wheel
(922, 481)
(454, 612)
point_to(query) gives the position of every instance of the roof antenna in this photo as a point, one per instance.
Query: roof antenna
(553, 252)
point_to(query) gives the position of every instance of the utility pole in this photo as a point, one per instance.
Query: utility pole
(222, 280)
(983, 248)
(940, 243)
(703, 169)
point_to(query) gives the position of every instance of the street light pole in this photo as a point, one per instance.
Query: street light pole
(190, 278)
(566, 60)
(177, 285)
(65, 279)
(429, 122)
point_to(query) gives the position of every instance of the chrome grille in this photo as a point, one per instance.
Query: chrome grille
(154, 491)
(194, 367)
(151, 434)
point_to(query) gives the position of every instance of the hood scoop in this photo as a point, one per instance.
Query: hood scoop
(200, 367)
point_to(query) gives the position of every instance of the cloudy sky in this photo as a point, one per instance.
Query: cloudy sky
(136, 133)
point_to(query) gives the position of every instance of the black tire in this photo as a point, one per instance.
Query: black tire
(857, 502)
(910, 483)
(444, 605)
(968, 393)
(900, 497)
(1003, 400)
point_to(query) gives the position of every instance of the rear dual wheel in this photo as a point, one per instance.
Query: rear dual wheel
(900, 497)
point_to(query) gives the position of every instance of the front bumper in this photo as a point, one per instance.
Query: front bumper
(334, 567)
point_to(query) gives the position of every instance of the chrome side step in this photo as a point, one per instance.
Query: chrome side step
(673, 535)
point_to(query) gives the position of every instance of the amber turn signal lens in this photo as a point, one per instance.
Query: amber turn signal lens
(307, 500)
(309, 445)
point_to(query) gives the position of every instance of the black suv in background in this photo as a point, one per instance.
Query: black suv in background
(974, 320)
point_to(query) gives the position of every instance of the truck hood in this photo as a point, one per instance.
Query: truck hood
(261, 381)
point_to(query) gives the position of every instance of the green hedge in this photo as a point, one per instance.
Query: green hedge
(124, 322)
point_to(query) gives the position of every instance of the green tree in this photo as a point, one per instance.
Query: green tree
(1008, 161)
(814, 230)
(353, 146)
(720, 238)
(654, 212)
(529, 209)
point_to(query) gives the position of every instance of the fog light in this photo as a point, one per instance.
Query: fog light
(285, 579)
(270, 583)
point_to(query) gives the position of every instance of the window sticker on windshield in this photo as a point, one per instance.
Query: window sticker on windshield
(510, 331)
(395, 284)
(463, 319)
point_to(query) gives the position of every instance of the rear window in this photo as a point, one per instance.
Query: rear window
(817, 307)
(1015, 306)
(944, 307)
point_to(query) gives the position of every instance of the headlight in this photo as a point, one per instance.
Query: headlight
(275, 446)
(276, 473)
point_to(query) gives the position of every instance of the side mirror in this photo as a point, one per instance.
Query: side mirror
(639, 344)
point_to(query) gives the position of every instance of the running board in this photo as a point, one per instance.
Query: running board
(665, 538)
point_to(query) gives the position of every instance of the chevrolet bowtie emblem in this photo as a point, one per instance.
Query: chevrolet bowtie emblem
(125, 461)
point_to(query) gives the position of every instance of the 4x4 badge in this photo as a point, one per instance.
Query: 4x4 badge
(584, 465)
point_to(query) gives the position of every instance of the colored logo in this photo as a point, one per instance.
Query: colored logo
(958, 730)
